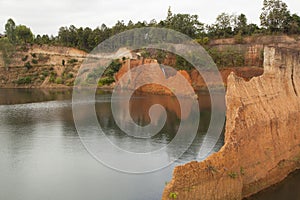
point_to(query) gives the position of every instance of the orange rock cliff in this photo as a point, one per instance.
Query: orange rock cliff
(262, 137)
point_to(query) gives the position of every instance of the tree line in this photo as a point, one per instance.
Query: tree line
(275, 18)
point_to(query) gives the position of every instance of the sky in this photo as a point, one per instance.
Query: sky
(46, 17)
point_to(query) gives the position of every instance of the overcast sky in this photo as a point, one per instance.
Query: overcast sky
(45, 17)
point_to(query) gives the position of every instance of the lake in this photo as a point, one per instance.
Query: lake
(42, 156)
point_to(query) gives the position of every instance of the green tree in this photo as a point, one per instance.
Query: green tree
(240, 24)
(7, 50)
(118, 27)
(10, 30)
(274, 16)
(293, 25)
(253, 28)
(184, 23)
(38, 39)
(63, 36)
(24, 34)
(222, 27)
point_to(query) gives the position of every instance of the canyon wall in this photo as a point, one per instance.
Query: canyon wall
(152, 73)
(251, 48)
(262, 137)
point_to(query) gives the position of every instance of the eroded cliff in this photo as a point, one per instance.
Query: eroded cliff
(262, 137)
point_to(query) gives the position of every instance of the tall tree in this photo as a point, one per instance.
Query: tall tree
(24, 34)
(274, 16)
(293, 25)
(240, 24)
(10, 30)
(7, 49)
(222, 27)
(185, 23)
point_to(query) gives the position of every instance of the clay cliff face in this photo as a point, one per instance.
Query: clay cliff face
(245, 72)
(153, 73)
(262, 137)
(194, 78)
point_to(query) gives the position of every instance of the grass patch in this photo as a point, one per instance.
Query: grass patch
(233, 175)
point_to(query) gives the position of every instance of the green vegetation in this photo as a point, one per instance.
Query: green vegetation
(173, 195)
(71, 61)
(242, 170)
(275, 18)
(27, 65)
(24, 80)
(34, 61)
(106, 81)
(233, 175)
(52, 77)
(23, 35)
(43, 58)
(228, 57)
(70, 75)
(58, 80)
(7, 50)
(25, 58)
(45, 73)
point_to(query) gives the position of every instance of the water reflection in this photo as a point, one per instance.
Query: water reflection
(41, 154)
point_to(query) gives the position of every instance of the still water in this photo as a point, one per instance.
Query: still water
(42, 157)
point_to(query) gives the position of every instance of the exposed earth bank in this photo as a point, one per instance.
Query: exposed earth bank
(34, 66)
(262, 137)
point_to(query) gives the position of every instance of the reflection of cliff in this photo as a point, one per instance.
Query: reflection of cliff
(262, 139)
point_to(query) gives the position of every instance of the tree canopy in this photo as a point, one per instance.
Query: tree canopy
(275, 15)
(275, 18)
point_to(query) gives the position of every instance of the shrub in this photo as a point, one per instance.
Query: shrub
(34, 61)
(70, 75)
(106, 81)
(233, 175)
(242, 170)
(72, 61)
(24, 80)
(173, 195)
(112, 69)
(25, 58)
(45, 73)
(203, 41)
(33, 55)
(58, 80)
(228, 57)
(27, 65)
(43, 58)
(52, 77)
(182, 64)
(238, 38)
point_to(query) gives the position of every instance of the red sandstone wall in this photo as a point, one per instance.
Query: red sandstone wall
(153, 75)
(262, 138)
